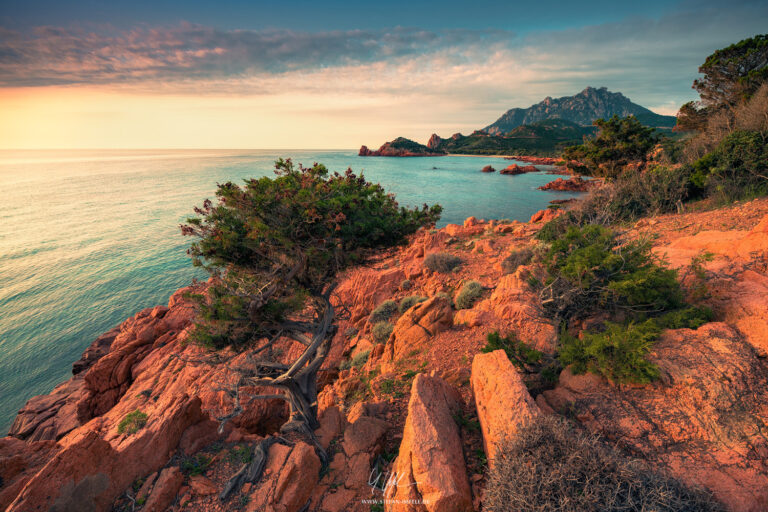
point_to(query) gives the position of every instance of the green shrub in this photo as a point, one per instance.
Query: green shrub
(442, 262)
(691, 317)
(196, 465)
(358, 361)
(617, 353)
(406, 284)
(736, 169)
(241, 453)
(384, 311)
(469, 293)
(408, 302)
(516, 258)
(589, 269)
(550, 465)
(381, 331)
(520, 354)
(132, 422)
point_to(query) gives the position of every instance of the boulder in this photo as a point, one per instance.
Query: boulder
(165, 490)
(289, 478)
(418, 325)
(430, 469)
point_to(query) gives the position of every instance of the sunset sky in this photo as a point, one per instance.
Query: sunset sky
(332, 74)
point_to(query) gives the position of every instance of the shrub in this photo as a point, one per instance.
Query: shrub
(384, 311)
(410, 301)
(381, 331)
(273, 245)
(618, 353)
(589, 269)
(406, 284)
(442, 262)
(356, 362)
(469, 293)
(515, 259)
(520, 354)
(618, 143)
(196, 465)
(132, 422)
(551, 466)
(691, 317)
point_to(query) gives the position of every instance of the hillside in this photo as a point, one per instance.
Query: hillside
(582, 108)
(542, 138)
(400, 147)
(399, 397)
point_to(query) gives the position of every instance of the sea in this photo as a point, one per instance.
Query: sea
(90, 237)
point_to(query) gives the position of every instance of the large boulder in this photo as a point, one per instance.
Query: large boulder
(289, 478)
(502, 400)
(418, 325)
(430, 469)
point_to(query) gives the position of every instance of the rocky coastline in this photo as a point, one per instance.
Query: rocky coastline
(703, 422)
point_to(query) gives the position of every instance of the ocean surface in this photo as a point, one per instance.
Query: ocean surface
(88, 238)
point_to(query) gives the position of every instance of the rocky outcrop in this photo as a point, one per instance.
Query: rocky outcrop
(19, 462)
(537, 160)
(705, 421)
(545, 215)
(515, 169)
(502, 400)
(488, 168)
(434, 141)
(164, 490)
(289, 478)
(573, 184)
(401, 147)
(430, 471)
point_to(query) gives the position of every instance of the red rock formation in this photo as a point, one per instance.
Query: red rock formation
(538, 160)
(418, 325)
(515, 169)
(488, 168)
(502, 400)
(573, 184)
(430, 465)
(289, 478)
(434, 141)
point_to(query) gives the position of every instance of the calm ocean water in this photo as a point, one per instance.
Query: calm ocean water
(88, 238)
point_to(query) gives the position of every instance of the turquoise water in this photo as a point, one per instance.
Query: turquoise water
(88, 238)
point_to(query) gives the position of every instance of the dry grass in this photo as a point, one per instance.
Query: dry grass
(552, 466)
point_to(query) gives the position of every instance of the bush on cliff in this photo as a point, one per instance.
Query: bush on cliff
(132, 422)
(469, 293)
(274, 244)
(383, 311)
(442, 262)
(590, 269)
(550, 465)
(408, 302)
(381, 331)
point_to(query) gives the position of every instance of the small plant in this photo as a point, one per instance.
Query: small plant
(515, 259)
(442, 262)
(196, 465)
(410, 301)
(691, 317)
(356, 362)
(618, 353)
(392, 387)
(469, 293)
(446, 296)
(384, 311)
(350, 332)
(698, 288)
(132, 422)
(240, 454)
(406, 284)
(381, 331)
(466, 423)
(520, 354)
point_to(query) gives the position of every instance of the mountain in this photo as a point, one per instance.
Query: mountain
(582, 109)
(540, 138)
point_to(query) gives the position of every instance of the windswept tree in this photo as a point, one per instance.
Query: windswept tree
(273, 248)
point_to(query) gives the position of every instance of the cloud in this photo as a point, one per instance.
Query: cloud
(56, 56)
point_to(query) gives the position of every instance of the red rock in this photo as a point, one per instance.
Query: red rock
(332, 424)
(417, 326)
(165, 490)
(515, 169)
(573, 184)
(19, 462)
(488, 168)
(289, 478)
(545, 215)
(364, 435)
(146, 488)
(337, 501)
(202, 486)
(502, 400)
(434, 141)
(430, 464)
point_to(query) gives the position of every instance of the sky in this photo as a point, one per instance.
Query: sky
(333, 74)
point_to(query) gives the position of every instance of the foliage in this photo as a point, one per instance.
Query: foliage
(381, 331)
(690, 317)
(442, 262)
(692, 116)
(520, 354)
(408, 302)
(469, 293)
(132, 422)
(590, 269)
(358, 361)
(384, 311)
(737, 168)
(515, 259)
(196, 465)
(734, 73)
(618, 353)
(242, 454)
(274, 242)
(550, 465)
(619, 142)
